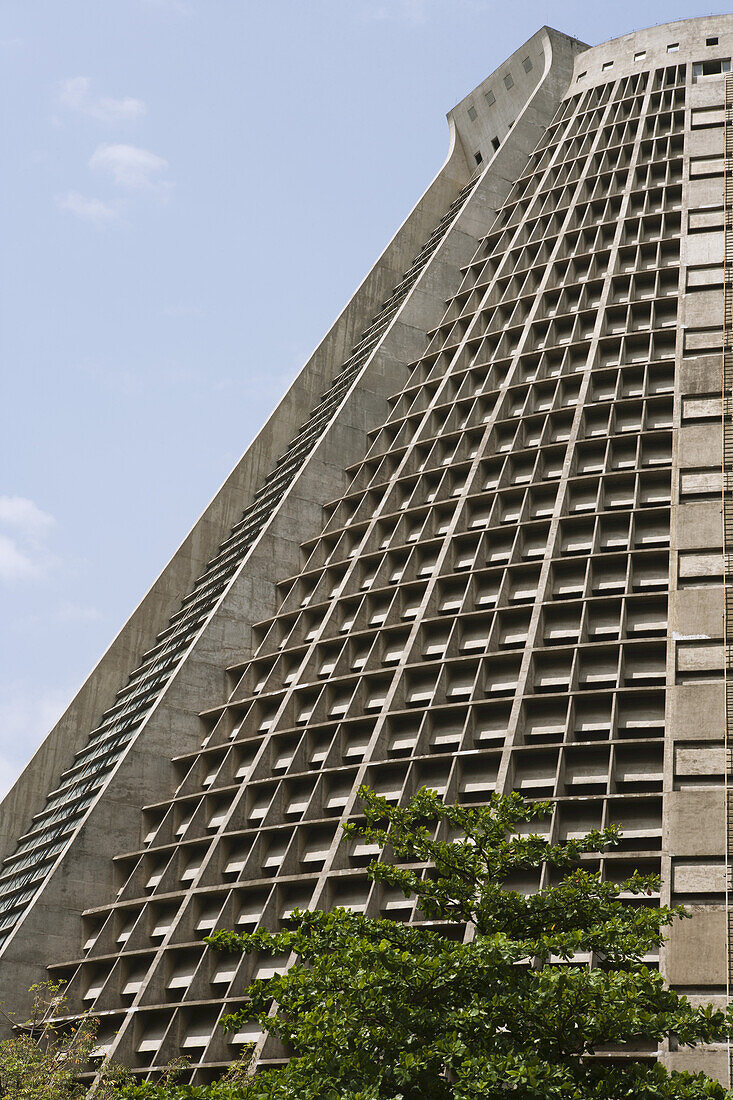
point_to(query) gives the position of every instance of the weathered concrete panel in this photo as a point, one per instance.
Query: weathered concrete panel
(697, 525)
(696, 822)
(705, 248)
(696, 712)
(696, 953)
(697, 613)
(700, 445)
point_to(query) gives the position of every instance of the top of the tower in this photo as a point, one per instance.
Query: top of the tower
(482, 120)
(705, 43)
(564, 65)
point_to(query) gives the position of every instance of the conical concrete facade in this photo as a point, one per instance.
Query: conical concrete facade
(477, 547)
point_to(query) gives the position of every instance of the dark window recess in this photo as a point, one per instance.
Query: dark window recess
(477, 157)
(495, 143)
(527, 64)
(710, 68)
(711, 41)
(490, 98)
(508, 81)
(472, 113)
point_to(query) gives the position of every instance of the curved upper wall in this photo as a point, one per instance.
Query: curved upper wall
(685, 39)
(483, 118)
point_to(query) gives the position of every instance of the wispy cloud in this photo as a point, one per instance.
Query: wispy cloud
(130, 167)
(76, 95)
(23, 514)
(178, 7)
(414, 12)
(69, 612)
(410, 11)
(122, 381)
(133, 382)
(24, 528)
(88, 209)
(27, 714)
(183, 310)
(15, 564)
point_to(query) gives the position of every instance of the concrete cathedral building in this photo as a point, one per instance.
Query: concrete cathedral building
(482, 544)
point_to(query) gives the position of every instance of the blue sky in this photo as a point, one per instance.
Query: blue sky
(192, 189)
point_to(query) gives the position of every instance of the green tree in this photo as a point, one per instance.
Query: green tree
(376, 1010)
(44, 1058)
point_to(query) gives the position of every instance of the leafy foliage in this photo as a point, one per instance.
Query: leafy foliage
(237, 1084)
(375, 1010)
(43, 1058)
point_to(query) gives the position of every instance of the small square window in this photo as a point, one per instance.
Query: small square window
(640, 55)
(490, 98)
(673, 47)
(495, 143)
(606, 66)
(508, 81)
(472, 113)
(477, 157)
(582, 75)
(711, 41)
(527, 64)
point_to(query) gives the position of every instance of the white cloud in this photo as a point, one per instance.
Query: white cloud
(416, 12)
(123, 381)
(15, 564)
(88, 209)
(23, 554)
(183, 310)
(130, 167)
(68, 612)
(75, 94)
(21, 513)
(26, 716)
(179, 7)
(410, 11)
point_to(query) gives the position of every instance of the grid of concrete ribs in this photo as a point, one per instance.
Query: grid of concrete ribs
(514, 591)
(23, 873)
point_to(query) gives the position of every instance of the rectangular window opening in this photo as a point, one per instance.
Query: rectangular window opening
(710, 68)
